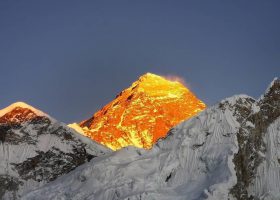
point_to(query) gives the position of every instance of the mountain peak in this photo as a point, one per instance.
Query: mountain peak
(147, 79)
(275, 84)
(150, 78)
(148, 75)
(142, 113)
(160, 86)
(19, 112)
(272, 92)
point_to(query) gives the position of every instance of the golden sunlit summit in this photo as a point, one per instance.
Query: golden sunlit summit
(142, 113)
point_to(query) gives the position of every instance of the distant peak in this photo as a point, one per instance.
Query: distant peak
(21, 105)
(272, 92)
(153, 84)
(275, 81)
(150, 76)
(141, 113)
(19, 112)
(273, 86)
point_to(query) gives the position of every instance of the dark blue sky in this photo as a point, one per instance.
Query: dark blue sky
(69, 58)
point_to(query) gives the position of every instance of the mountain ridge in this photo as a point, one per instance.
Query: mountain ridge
(218, 154)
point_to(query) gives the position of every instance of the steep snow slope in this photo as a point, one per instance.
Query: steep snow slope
(266, 183)
(226, 152)
(35, 149)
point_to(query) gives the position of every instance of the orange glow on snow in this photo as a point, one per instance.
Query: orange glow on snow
(142, 113)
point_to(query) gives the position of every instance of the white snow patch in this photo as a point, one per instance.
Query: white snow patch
(250, 124)
(255, 108)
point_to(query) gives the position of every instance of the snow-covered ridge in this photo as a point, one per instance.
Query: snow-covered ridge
(177, 167)
(233, 99)
(230, 151)
(21, 105)
(275, 81)
(227, 152)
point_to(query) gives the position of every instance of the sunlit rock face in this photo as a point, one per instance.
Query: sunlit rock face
(19, 112)
(142, 113)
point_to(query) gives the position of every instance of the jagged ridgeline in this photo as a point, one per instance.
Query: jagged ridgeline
(36, 149)
(229, 151)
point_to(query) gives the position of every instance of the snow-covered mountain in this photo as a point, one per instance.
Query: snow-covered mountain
(141, 113)
(36, 149)
(229, 151)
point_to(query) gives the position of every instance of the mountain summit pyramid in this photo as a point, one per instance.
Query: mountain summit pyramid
(142, 113)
